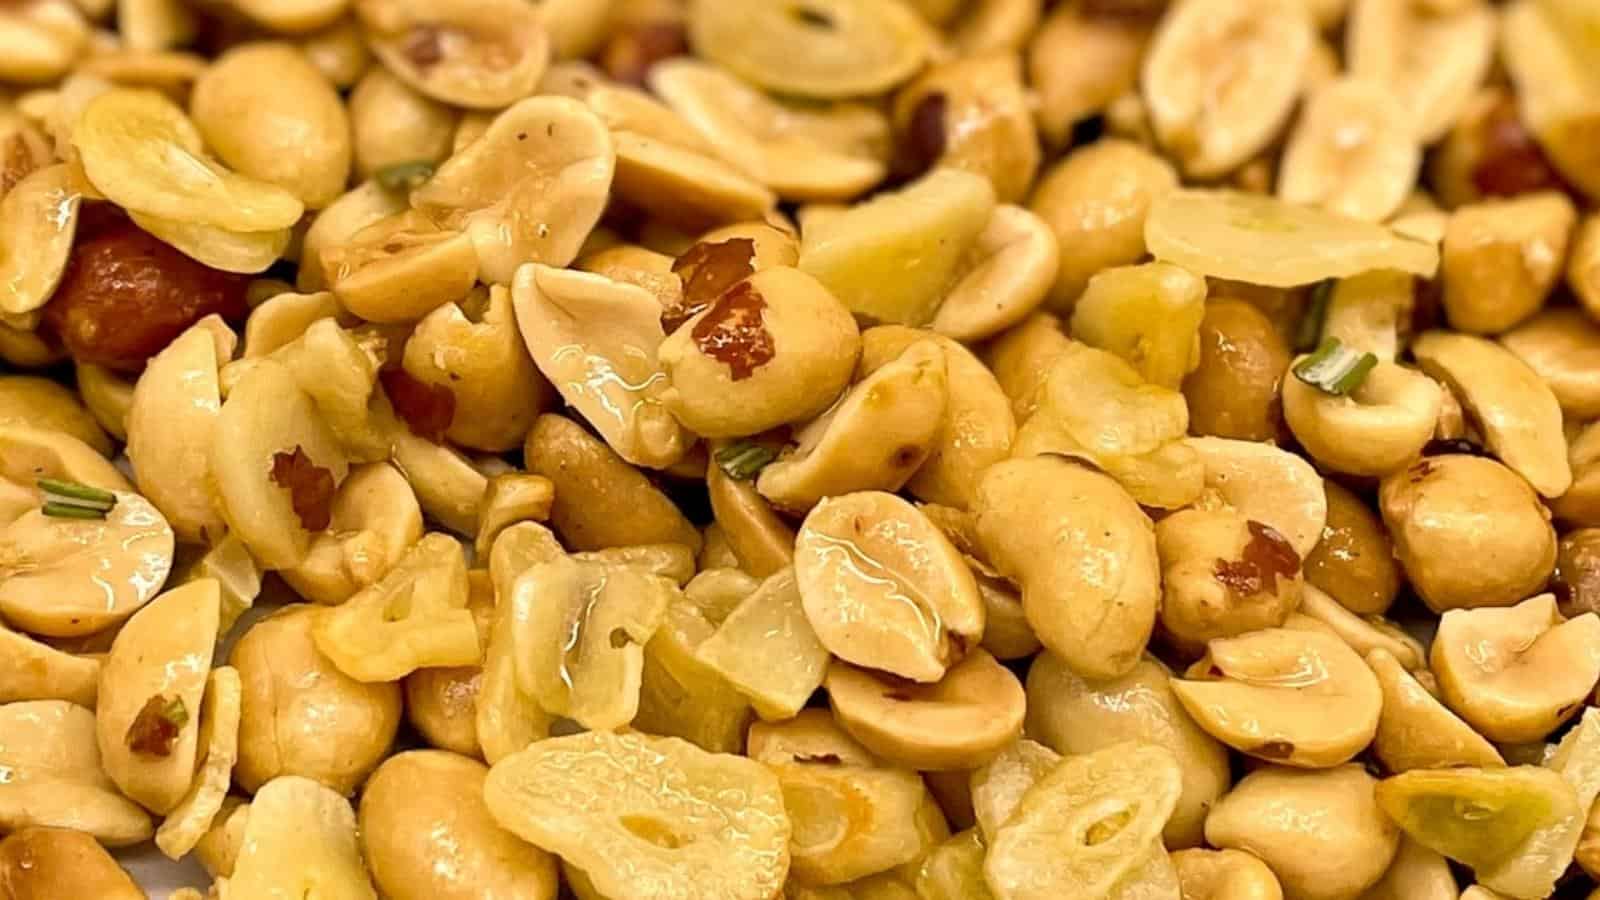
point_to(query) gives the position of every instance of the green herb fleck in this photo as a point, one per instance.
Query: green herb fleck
(1334, 368)
(406, 176)
(744, 459)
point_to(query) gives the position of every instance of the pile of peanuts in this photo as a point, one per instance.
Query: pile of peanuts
(800, 449)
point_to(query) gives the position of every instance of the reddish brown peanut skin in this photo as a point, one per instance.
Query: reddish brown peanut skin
(125, 295)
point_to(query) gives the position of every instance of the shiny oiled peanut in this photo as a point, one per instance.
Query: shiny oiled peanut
(42, 403)
(425, 832)
(34, 670)
(399, 268)
(1320, 612)
(1501, 258)
(1435, 511)
(1233, 391)
(1379, 427)
(1079, 63)
(1224, 875)
(333, 226)
(38, 863)
(1576, 580)
(1039, 521)
(269, 114)
(1417, 873)
(1074, 715)
(1354, 562)
(374, 517)
(1223, 575)
(1267, 484)
(884, 588)
(1338, 858)
(973, 113)
(481, 54)
(1006, 275)
(1563, 347)
(773, 349)
(1416, 731)
(1095, 200)
(1149, 315)
(393, 125)
(301, 715)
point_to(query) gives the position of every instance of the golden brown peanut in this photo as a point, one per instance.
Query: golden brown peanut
(1563, 347)
(1500, 259)
(978, 109)
(1079, 63)
(42, 403)
(1583, 268)
(1233, 393)
(425, 833)
(1224, 875)
(1096, 200)
(1468, 532)
(1354, 562)
(301, 715)
(47, 863)
(1380, 426)
(393, 125)
(270, 114)
(1223, 575)
(1576, 580)
(600, 501)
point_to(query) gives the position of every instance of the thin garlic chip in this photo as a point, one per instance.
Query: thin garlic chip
(299, 841)
(997, 786)
(529, 190)
(1298, 698)
(767, 650)
(850, 820)
(1430, 61)
(38, 219)
(873, 439)
(595, 340)
(72, 577)
(648, 817)
(681, 696)
(146, 719)
(579, 628)
(884, 588)
(219, 740)
(1516, 673)
(1085, 826)
(802, 153)
(246, 252)
(141, 151)
(415, 617)
(1265, 241)
(481, 54)
(54, 777)
(1532, 871)
(821, 49)
(278, 468)
(1516, 410)
(1221, 78)
(1352, 152)
(172, 425)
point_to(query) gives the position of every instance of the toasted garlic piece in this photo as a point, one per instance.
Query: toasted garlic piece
(894, 257)
(873, 551)
(34, 670)
(1223, 575)
(218, 740)
(998, 785)
(1268, 694)
(820, 49)
(1224, 875)
(39, 402)
(873, 439)
(529, 190)
(1346, 853)
(1516, 410)
(1073, 715)
(1563, 346)
(1149, 315)
(610, 375)
(1352, 152)
(300, 838)
(172, 425)
(1516, 674)
(296, 134)
(1376, 429)
(38, 219)
(767, 649)
(1501, 258)
(474, 349)
(1006, 275)
(802, 153)
(1041, 521)
(1085, 826)
(960, 722)
(400, 268)
(142, 151)
(1252, 55)
(679, 694)
(481, 54)
(1435, 511)
(72, 577)
(975, 114)
(268, 418)
(978, 427)
(54, 777)
(579, 630)
(1021, 360)
(1546, 55)
(1416, 731)
(1432, 62)
(1545, 856)
(147, 717)
(626, 807)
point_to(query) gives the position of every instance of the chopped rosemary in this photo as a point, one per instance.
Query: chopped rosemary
(71, 500)
(406, 176)
(1316, 315)
(742, 460)
(1334, 368)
